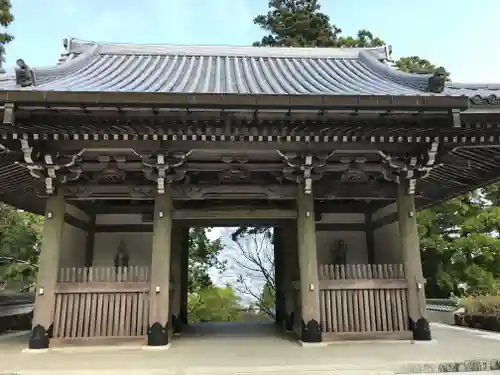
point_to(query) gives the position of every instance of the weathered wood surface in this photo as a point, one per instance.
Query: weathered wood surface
(367, 300)
(101, 302)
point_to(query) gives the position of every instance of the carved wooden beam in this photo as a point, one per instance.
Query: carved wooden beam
(339, 190)
(53, 169)
(305, 168)
(357, 191)
(164, 167)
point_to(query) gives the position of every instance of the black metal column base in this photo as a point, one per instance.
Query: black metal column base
(289, 322)
(421, 330)
(176, 324)
(311, 331)
(40, 337)
(279, 318)
(158, 334)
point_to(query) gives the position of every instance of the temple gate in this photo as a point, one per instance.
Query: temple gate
(124, 147)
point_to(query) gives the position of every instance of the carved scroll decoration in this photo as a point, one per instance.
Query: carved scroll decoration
(411, 169)
(47, 169)
(304, 169)
(164, 168)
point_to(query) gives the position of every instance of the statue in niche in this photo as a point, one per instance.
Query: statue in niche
(121, 257)
(339, 252)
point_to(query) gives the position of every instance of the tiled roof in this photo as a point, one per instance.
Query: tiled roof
(89, 66)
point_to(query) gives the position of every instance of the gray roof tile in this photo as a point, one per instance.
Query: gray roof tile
(89, 66)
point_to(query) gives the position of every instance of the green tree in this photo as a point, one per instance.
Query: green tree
(6, 18)
(203, 255)
(214, 304)
(460, 244)
(300, 23)
(19, 246)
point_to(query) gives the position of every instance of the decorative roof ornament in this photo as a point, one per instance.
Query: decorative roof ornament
(437, 81)
(25, 76)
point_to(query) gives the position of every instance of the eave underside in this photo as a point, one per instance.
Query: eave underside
(242, 159)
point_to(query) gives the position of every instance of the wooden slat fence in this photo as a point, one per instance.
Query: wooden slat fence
(101, 302)
(366, 300)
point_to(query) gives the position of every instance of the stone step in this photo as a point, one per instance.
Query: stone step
(208, 371)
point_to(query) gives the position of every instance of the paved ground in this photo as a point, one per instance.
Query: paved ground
(252, 349)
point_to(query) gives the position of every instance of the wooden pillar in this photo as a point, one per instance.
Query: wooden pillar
(160, 271)
(48, 263)
(290, 266)
(308, 263)
(278, 275)
(176, 277)
(410, 246)
(89, 245)
(184, 275)
(370, 242)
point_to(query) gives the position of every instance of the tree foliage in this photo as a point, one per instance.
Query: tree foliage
(19, 246)
(300, 23)
(214, 304)
(203, 255)
(6, 18)
(460, 243)
(253, 263)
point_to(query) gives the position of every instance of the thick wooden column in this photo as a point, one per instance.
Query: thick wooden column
(308, 263)
(184, 275)
(48, 263)
(410, 247)
(370, 240)
(176, 277)
(290, 266)
(89, 245)
(160, 271)
(278, 275)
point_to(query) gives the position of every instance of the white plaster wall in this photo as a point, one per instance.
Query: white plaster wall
(117, 219)
(139, 245)
(355, 241)
(387, 244)
(73, 247)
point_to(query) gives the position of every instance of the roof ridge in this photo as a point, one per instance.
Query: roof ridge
(74, 45)
(419, 81)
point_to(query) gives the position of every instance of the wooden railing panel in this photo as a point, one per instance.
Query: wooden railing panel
(363, 299)
(103, 274)
(101, 302)
(361, 271)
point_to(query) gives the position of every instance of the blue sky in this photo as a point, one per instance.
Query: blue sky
(460, 35)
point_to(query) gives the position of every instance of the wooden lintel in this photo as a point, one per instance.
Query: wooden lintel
(243, 214)
(355, 191)
(124, 228)
(76, 222)
(340, 227)
(388, 219)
